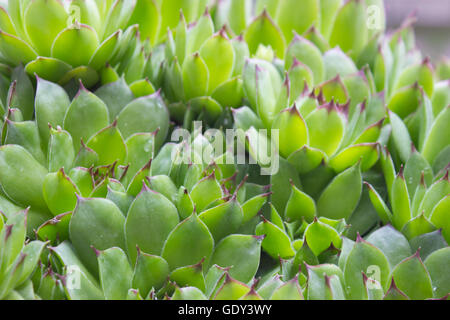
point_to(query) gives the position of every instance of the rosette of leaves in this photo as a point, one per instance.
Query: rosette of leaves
(323, 264)
(351, 25)
(202, 71)
(65, 40)
(328, 137)
(18, 257)
(383, 266)
(417, 200)
(74, 146)
(143, 234)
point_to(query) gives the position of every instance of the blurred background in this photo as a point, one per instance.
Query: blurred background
(432, 27)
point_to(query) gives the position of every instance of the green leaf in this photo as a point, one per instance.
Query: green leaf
(276, 242)
(231, 289)
(189, 276)
(392, 243)
(328, 12)
(220, 69)
(238, 13)
(435, 264)
(230, 93)
(195, 76)
(440, 217)
(306, 159)
(342, 195)
(21, 93)
(150, 219)
(428, 243)
(12, 239)
(48, 68)
(413, 279)
(241, 253)
(394, 293)
(55, 230)
(421, 73)
(300, 206)
(401, 137)
(336, 63)
(405, 101)
(264, 31)
(104, 52)
(146, 14)
(414, 167)
(75, 45)
(22, 177)
(438, 137)
(288, 291)
(43, 20)
(145, 114)
(15, 50)
(205, 192)
(401, 207)
(109, 145)
(118, 16)
(26, 135)
(321, 236)
(178, 250)
(99, 223)
(334, 90)
(188, 293)
(281, 185)
(299, 21)
(325, 128)
(417, 226)
(59, 192)
(88, 76)
(378, 203)
(223, 219)
(290, 124)
(367, 153)
(435, 193)
(83, 180)
(116, 96)
(115, 273)
(80, 284)
(253, 206)
(32, 253)
(86, 115)
(307, 53)
(301, 78)
(325, 282)
(51, 104)
(350, 28)
(150, 272)
(366, 258)
(60, 150)
(441, 97)
(199, 33)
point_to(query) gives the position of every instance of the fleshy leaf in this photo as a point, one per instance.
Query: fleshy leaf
(149, 221)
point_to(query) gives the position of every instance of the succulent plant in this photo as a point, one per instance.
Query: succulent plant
(335, 184)
(202, 71)
(74, 146)
(170, 199)
(62, 40)
(18, 259)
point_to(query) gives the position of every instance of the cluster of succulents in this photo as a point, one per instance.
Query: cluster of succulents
(98, 201)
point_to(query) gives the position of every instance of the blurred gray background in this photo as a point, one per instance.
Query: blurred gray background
(432, 27)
